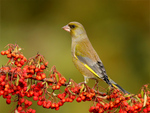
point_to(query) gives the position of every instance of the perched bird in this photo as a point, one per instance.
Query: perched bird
(85, 57)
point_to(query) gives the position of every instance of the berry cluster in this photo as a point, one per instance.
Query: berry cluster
(29, 81)
(117, 102)
(14, 55)
(21, 79)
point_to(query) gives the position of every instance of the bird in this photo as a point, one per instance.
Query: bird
(85, 58)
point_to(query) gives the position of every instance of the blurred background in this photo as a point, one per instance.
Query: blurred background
(118, 30)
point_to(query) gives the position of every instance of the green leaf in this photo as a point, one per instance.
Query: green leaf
(145, 100)
(17, 82)
(142, 93)
(57, 77)
(46, 84)
(6, 76)
(82, 88)
(71, 92)
(108, 90)
(138, 98)
(129, 101)
(29, 86)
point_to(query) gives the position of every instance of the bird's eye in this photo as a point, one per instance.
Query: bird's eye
(72, 26)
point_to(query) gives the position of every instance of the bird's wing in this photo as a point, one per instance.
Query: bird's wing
(96, 67)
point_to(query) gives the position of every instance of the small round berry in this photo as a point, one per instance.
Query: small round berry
(3, 52)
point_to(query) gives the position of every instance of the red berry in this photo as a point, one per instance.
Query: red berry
(29, 103)
(31, 71)
(117, 100)
(16, 56)
(145, 110)
(53, 87)
(32, 67)
(57, 108)
(60, 103)
(48, 104)
(31, 93)
(53, 105)
(91, 109)
(57, 105)
(46, 63)
(78, 99)
(62, 81)
(82, 97)
(38, 77)
(35, 98)
(44, 104)
(139, 95)
(43, 75)
(59, 96)
(111, 104)
(135, 107)
(22, 100)
(72, 97)
(33, 111)
(97, 108)
(21, 56)
(42, 67)
(101, 110)
(8, 97)
(19, 108)
(13, 54)
(106, 106)
(125, 103)
(39, 103)
(9, 56)
(67, 99)
(21, 62)
(8, 101)
(26, 102)
(140, 105)
(25, 59)
(131, 108)
(148, 109)
(57, 87)
(7, 52)
(30, 110)
(63, 100)
(19, 65)
(37, 69)
(3, 52)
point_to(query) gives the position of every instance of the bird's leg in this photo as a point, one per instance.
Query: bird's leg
(86, 79)
(84, 84)
(96, 84)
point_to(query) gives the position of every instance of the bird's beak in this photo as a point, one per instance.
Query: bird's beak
(66, 28)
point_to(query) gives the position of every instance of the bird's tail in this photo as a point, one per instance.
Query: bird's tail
(114, 84)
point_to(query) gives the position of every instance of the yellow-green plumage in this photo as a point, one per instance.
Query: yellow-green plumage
(85, 57)
(84, 49)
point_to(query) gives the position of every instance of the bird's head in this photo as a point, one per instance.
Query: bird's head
(75, 29)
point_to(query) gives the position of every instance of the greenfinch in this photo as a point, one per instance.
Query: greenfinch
(85, 57)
